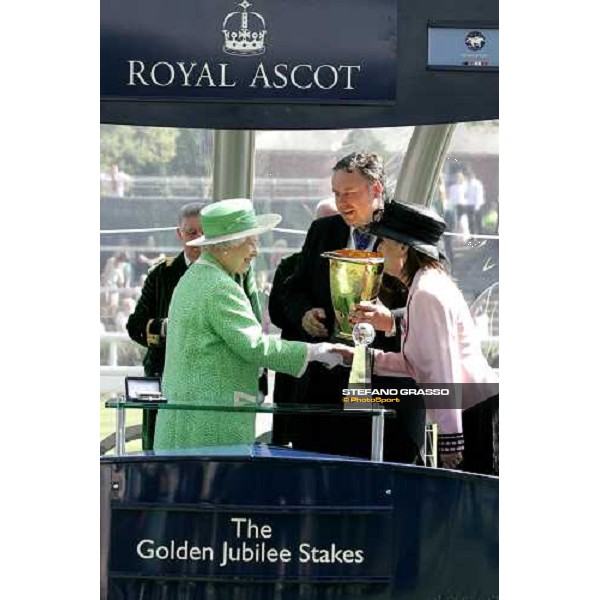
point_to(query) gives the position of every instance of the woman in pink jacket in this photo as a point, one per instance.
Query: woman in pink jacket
(439, 340)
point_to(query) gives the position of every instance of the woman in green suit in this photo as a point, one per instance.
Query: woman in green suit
(215, 345)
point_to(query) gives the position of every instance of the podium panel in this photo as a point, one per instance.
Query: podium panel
(254, 522)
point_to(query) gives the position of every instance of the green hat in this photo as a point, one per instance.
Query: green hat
(232, 220)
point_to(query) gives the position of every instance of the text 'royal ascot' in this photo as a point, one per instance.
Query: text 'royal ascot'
(187, 74)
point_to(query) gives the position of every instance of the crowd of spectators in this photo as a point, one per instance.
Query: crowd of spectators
(119, 292)
(462, 201)
(116, 182)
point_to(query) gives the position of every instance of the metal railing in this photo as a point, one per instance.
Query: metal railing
(198, 188)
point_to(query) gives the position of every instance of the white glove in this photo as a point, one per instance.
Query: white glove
(322, 353)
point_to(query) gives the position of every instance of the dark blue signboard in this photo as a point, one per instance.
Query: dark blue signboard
(264, 50)
(291, 64)
(274, 523)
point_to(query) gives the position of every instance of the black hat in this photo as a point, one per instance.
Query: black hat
(411, 224)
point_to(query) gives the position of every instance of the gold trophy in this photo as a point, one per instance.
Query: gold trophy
(354, 276)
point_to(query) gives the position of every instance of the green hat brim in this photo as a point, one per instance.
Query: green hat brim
(264, 223)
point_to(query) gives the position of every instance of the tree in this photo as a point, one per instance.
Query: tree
(138, 150)
(194, 153)
(363, 140)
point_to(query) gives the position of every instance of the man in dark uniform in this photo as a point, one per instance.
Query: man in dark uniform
(148, 323)
(358, 183)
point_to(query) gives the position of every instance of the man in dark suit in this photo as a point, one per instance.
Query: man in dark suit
(288, 389)
(358, 183)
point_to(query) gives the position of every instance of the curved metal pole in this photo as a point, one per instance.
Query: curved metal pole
(422, 163)
(233, 173)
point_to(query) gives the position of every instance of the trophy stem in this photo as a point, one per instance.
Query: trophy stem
(363, 335)
(361, 368)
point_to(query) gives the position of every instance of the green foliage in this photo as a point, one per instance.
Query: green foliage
(490, 222)
(137, 150)
(194, 153)
(156, 151)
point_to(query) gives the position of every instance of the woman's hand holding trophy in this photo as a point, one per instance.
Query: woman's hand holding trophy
(374, 313)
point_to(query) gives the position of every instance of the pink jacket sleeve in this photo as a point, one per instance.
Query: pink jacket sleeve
(430, 353)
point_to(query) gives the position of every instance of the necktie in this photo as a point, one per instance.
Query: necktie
(361, 240)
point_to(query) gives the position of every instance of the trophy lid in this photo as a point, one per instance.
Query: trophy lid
(355, 256)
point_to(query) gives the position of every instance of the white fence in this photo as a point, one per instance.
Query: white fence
(196, 188)
(113, 375)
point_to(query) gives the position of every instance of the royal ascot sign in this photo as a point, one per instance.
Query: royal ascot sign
(264, 50)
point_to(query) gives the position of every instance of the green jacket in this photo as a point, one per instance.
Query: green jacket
(215, 347)
(144, 324)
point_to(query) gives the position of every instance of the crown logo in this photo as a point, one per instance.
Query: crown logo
(244, 32)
